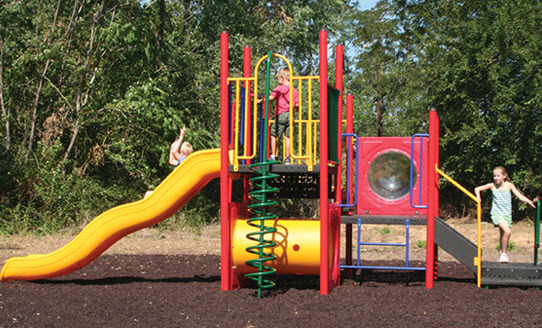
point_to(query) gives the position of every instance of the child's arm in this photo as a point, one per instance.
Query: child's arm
(275, 93)
(271, 98)
(477, 190)
(181, 136)
(175, 149)
(174, 154)
(520, 196)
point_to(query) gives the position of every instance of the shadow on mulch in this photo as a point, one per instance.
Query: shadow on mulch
(368, 278)
(407, 278)
(126, 280)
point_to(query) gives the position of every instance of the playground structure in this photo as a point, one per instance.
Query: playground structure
(301, 245)
(391, 181)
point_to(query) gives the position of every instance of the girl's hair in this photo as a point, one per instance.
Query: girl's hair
(503, 171)
(186, 148)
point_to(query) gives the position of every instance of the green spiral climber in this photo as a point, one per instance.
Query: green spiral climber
(260, 190)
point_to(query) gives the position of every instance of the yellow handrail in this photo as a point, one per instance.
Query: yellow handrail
(478, 259)
(247, 154)
(303, 124)
(256, 69)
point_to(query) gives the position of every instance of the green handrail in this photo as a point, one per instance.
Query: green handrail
(536, 232)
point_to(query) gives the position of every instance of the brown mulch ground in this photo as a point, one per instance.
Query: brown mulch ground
(184, 291)
(157, 278)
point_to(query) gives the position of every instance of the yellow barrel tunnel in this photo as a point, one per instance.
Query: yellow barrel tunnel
(297, 250)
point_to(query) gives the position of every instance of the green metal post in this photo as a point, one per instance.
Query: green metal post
(536, 233)
(259, 207)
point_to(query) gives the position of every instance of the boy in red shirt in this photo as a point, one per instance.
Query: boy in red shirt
(282, 116)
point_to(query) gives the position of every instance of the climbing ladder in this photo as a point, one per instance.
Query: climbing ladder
(382, 220)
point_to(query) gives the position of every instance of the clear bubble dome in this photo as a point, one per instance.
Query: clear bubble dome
(389, 175)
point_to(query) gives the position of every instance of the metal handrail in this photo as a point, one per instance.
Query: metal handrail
(478, 258)
(247, 153)
(304, 124)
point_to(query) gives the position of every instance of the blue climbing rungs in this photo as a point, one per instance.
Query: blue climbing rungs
(384, 244)
(351, 191)
(421, 136)
(405, 244)
(368, 267)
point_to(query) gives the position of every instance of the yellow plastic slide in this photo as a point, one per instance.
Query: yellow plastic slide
(101, 233)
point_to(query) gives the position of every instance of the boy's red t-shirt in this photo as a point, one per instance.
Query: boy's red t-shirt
(282, 96)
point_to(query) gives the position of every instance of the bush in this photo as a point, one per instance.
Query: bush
(51, 199)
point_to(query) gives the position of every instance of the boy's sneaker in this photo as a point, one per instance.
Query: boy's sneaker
(287, 161)
(504, 258)
(272, 158)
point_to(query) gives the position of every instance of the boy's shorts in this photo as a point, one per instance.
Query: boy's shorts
(281, 125)
(498, 218)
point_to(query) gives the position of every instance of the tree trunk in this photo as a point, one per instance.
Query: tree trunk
(5, 112)
(35, 112)
(39, 87)
(83, 92)
(379, 131)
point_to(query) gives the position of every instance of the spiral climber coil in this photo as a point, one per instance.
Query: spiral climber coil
(259, 208)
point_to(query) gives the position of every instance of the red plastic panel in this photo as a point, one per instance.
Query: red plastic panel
(384, 182)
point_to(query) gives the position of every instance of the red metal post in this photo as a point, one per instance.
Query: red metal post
(225, 249)
(249, 132)
(350, 130)
(432, 196)
(436, 197)
(339, 69)
(324, 206)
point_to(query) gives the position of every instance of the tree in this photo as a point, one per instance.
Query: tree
(482, 74)
(384, 79)
(475, 62)
(93, 92)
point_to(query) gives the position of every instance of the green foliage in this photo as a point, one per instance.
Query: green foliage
(511, 246)
(52, 200)
(488, 106)
(476, 63)
(383, 231)
(421, 244)
(93, 95)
